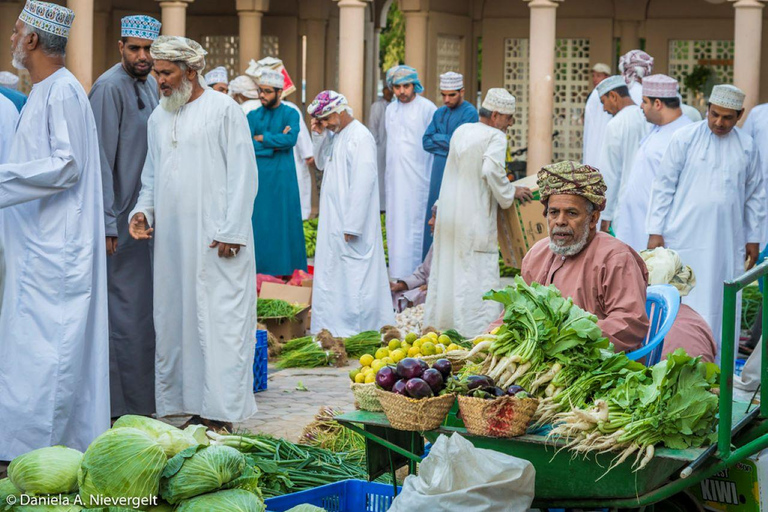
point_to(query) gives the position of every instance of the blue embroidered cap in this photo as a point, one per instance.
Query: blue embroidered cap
(143, 27)
(48, 17)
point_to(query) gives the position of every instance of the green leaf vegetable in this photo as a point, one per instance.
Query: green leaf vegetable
(51, 470)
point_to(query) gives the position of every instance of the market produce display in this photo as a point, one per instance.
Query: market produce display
(313, 352)
(325, 432)
(414, 378)
(277, 308)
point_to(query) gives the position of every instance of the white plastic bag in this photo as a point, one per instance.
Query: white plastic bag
(457, 476)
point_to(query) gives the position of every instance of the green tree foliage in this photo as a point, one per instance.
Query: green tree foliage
(392, 40)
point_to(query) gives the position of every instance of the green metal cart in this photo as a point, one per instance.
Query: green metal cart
(563, 480)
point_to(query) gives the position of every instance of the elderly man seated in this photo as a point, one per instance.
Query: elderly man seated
(600, 273)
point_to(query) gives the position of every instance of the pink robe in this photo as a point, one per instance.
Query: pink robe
(607, 278)
(691, 332)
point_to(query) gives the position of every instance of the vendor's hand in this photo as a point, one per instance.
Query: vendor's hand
(258, 138)
(423, 287)
(349, 238)
(139, 227)
(316, 126)
(605, 225)
(397, 286)
(286, 130)
(111, 245)
(310, 161)
(524, 194)
(655, 241)
(753, 252)
(226, 250)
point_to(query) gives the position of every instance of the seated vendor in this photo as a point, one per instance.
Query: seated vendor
(689, 331)
(412, 291)
(602, 275)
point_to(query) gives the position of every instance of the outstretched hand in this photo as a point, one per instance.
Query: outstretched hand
(139, 227)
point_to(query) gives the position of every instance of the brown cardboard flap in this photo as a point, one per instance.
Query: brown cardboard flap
(521, 225)
(290, 294)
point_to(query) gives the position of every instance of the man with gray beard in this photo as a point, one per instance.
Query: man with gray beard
(197, 190)
(602, 274)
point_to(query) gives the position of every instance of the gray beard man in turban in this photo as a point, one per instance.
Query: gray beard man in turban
(198, 186)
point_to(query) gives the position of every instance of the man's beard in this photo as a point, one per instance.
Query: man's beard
(131, 68)
(269, 104)
(178, 98)
(572, 249)
(19, 56)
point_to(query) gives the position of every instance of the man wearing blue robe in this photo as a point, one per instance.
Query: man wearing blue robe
(9, 84)
(278, 231)
(437, 139)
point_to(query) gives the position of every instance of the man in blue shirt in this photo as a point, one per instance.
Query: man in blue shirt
(454, 113)
(9, 82)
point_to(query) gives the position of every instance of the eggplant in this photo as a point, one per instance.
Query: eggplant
(444, 366)
(423, 364)
(386, 378)
(434, 378)
(514, 390)
(418, 389)
(497, 391)
(399, 387)
(409, 368)
(479, 381)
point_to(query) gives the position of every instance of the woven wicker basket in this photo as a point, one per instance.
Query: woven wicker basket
(506, 416)
(366, 397)
(405, 413)
(458, 358)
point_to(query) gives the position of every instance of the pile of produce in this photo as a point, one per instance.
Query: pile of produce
(313, 352)
(410, 319)
(326, 432)
(364, 343)
(277, 308)
(415, 379)
(482, 386)
(751, 302)
(310, 236)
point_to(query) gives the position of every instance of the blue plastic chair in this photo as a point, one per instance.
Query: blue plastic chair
(662, 304)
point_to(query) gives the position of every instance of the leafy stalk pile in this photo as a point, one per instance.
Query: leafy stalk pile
(310, 236)
(305, 354)
(277, 308)
(366, 342)
(326, 432)
(674, 403)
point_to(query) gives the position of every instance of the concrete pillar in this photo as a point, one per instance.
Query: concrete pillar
(416, 41)
(80, 43)
(747, 42)
(352, 53)
(174, 17)
(315, 57)
(630, 36)
(541, 102)
(249, 15)
(9, 13)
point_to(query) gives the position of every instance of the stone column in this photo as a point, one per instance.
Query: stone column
(630, 36)
(748, 30)
(315, 57)
(9, 13)
(249, 15)
(80, 43)
(352, 53)
(174, 17)
(541, 102)
(416, 42)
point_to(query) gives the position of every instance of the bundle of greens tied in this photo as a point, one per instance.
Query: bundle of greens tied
(305, 352)
(277, 308)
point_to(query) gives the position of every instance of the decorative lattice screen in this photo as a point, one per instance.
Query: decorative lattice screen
(224, 51)
(684, 55)
(270, 46)
(572, 86)
(448, 58)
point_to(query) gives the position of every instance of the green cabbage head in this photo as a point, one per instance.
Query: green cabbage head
(51, 470)
(172, 439)
(7, 489)
(48, 508)
(123, 462)
(231, 500)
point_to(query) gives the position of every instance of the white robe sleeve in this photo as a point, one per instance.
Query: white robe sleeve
(322, 147)
(665, 185)
(363, 180)
(611, 166)
(494, 172)
(44, 177)
(145, 203)
(8, 118)
(242, 178)
(755, 204)
(304, 142)
(375, 121)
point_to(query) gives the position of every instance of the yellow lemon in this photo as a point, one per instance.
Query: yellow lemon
(377, 365)
(394, 344)
(405, 345)
(428, 349)
(439, 348)
(354, 373)
(398, 355)
(432, 335)
(366, 360)
(413, 352)
(365, 370)
(371, 377)
(411, 337)
(382, 353)
(452, 346)
(360, 378)
(419, 342)
(445, 340)
(388, 360)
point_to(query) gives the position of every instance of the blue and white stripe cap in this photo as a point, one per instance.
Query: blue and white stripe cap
(609, 84)
(143, 27)
(48, 17)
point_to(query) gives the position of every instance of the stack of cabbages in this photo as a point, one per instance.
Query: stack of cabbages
(138, 458)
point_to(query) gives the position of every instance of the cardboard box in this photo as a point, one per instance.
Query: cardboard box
(521, 225)
(282, 328)
(740, 488)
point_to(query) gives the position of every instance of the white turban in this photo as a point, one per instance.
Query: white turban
(244, 85)
(8, 79)
(271, 78)
(499, 100)
(179, 49)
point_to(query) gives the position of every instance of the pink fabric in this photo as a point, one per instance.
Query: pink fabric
(691, 332)
(635, 65)
(660, 86)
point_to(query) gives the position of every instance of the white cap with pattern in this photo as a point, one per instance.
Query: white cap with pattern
(727, 96)
(48, 17)
(8, 79)
(271, 78)
(217, 76)
(451, 81)
(602, 68)
(499, 100)
(609, 84)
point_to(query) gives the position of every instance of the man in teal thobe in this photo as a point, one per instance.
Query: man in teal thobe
(278, 231)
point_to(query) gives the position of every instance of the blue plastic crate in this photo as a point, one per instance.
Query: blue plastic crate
(344, 496)
(260, 362)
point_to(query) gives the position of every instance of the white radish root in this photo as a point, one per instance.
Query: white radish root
(480, 347)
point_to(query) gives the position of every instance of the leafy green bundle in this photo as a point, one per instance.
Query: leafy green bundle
(367, 342)
(276, 308)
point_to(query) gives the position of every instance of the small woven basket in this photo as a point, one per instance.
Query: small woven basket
(506, 416)
(405, 413)
(366, 397)
(458, 358)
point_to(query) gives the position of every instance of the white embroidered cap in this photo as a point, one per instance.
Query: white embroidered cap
(451, 81)
(602, 68)
(217, 76)
(660, 86)
(9, 80)
(727, 96)
(609, 84)
(48, 17)
(499, 100)
(271, 78)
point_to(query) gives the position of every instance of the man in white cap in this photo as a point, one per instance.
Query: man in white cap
(595, 118)
(122, 99)
(350, 292)
(276, 221)
(377, 124)
(217, 79)
(622, 137)
(54, 340)
(756, 126)
(197, 190)
(9, 84)
(708, 202)
(245, 92)
(465, 260)
(661, 107)
(454, 113)
(408, 171)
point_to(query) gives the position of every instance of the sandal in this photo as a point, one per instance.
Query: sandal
(194, 420)
(217, 426)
